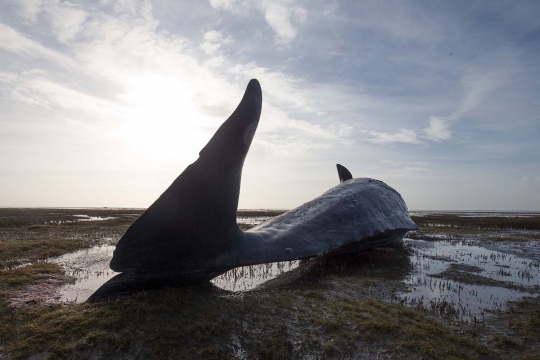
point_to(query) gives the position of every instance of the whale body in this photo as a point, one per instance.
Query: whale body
(189, 235)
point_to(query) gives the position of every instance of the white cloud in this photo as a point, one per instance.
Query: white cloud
(341, 130)
(234, 6)
(210, 48)
(154, 78)
(283, 16)
(65, 17)
(137, 9)
(213, 41)
(66, 20)
(438, 129)
(68, 98)
(34, 89)
(213, 36)
(406, 136)
(215, 62)
(28, 9)
(399, 169)
(280, 88)
(476, 85)
(288, 101)
(13, 41)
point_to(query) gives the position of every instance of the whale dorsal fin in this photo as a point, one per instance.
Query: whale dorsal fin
(343, 173)
(196, 216)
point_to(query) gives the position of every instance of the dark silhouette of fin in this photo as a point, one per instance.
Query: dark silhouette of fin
(180, 227)
(343, 173)
(189, 235)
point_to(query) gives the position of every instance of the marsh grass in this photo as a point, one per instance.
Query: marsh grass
(454, 227)
(258, 213)
(30, 235)
(28, 274)
(467, 274)
(486, 223)
(198, 322)
(340, 326)
(19, 252)
(168, 323)
(22, 217)
(518, 338)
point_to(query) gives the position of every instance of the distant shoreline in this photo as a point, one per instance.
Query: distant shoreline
(276, 209)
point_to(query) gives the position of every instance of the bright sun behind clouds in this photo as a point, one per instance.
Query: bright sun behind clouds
(161, 119)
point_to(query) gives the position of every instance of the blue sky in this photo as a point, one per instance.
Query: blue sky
(104, 103)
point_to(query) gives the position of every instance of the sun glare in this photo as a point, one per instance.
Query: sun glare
(161, 120)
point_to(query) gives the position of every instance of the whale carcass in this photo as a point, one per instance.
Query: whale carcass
(190, 235)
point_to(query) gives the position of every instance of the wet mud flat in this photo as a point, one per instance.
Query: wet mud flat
(463, 286)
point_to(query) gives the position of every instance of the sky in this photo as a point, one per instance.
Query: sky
(105, 103)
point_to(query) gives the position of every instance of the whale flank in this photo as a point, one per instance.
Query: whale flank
(189, 235)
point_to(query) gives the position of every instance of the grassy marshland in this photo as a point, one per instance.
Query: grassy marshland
(337, 317)
(469, 275)
(487, 228)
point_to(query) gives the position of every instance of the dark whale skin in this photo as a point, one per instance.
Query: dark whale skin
(189, 235)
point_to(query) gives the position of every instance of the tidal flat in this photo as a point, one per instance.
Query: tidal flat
(465, 285)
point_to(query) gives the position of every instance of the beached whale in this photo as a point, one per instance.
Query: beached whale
(189, 234)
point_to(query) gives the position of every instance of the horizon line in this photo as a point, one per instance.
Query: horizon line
(263, 209)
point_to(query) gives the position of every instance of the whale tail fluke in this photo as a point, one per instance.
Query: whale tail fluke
(343, 173)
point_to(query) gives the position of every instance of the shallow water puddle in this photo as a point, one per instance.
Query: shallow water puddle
(252, 220)
(455, 278)
(93, 218)
(494, 264)
(466, 281)
(246, 278)
(89, 267)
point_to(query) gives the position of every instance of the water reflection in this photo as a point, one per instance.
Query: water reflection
(390, 264)
(246, 278)
(461, 279)
(466, 281)
(89, 268)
